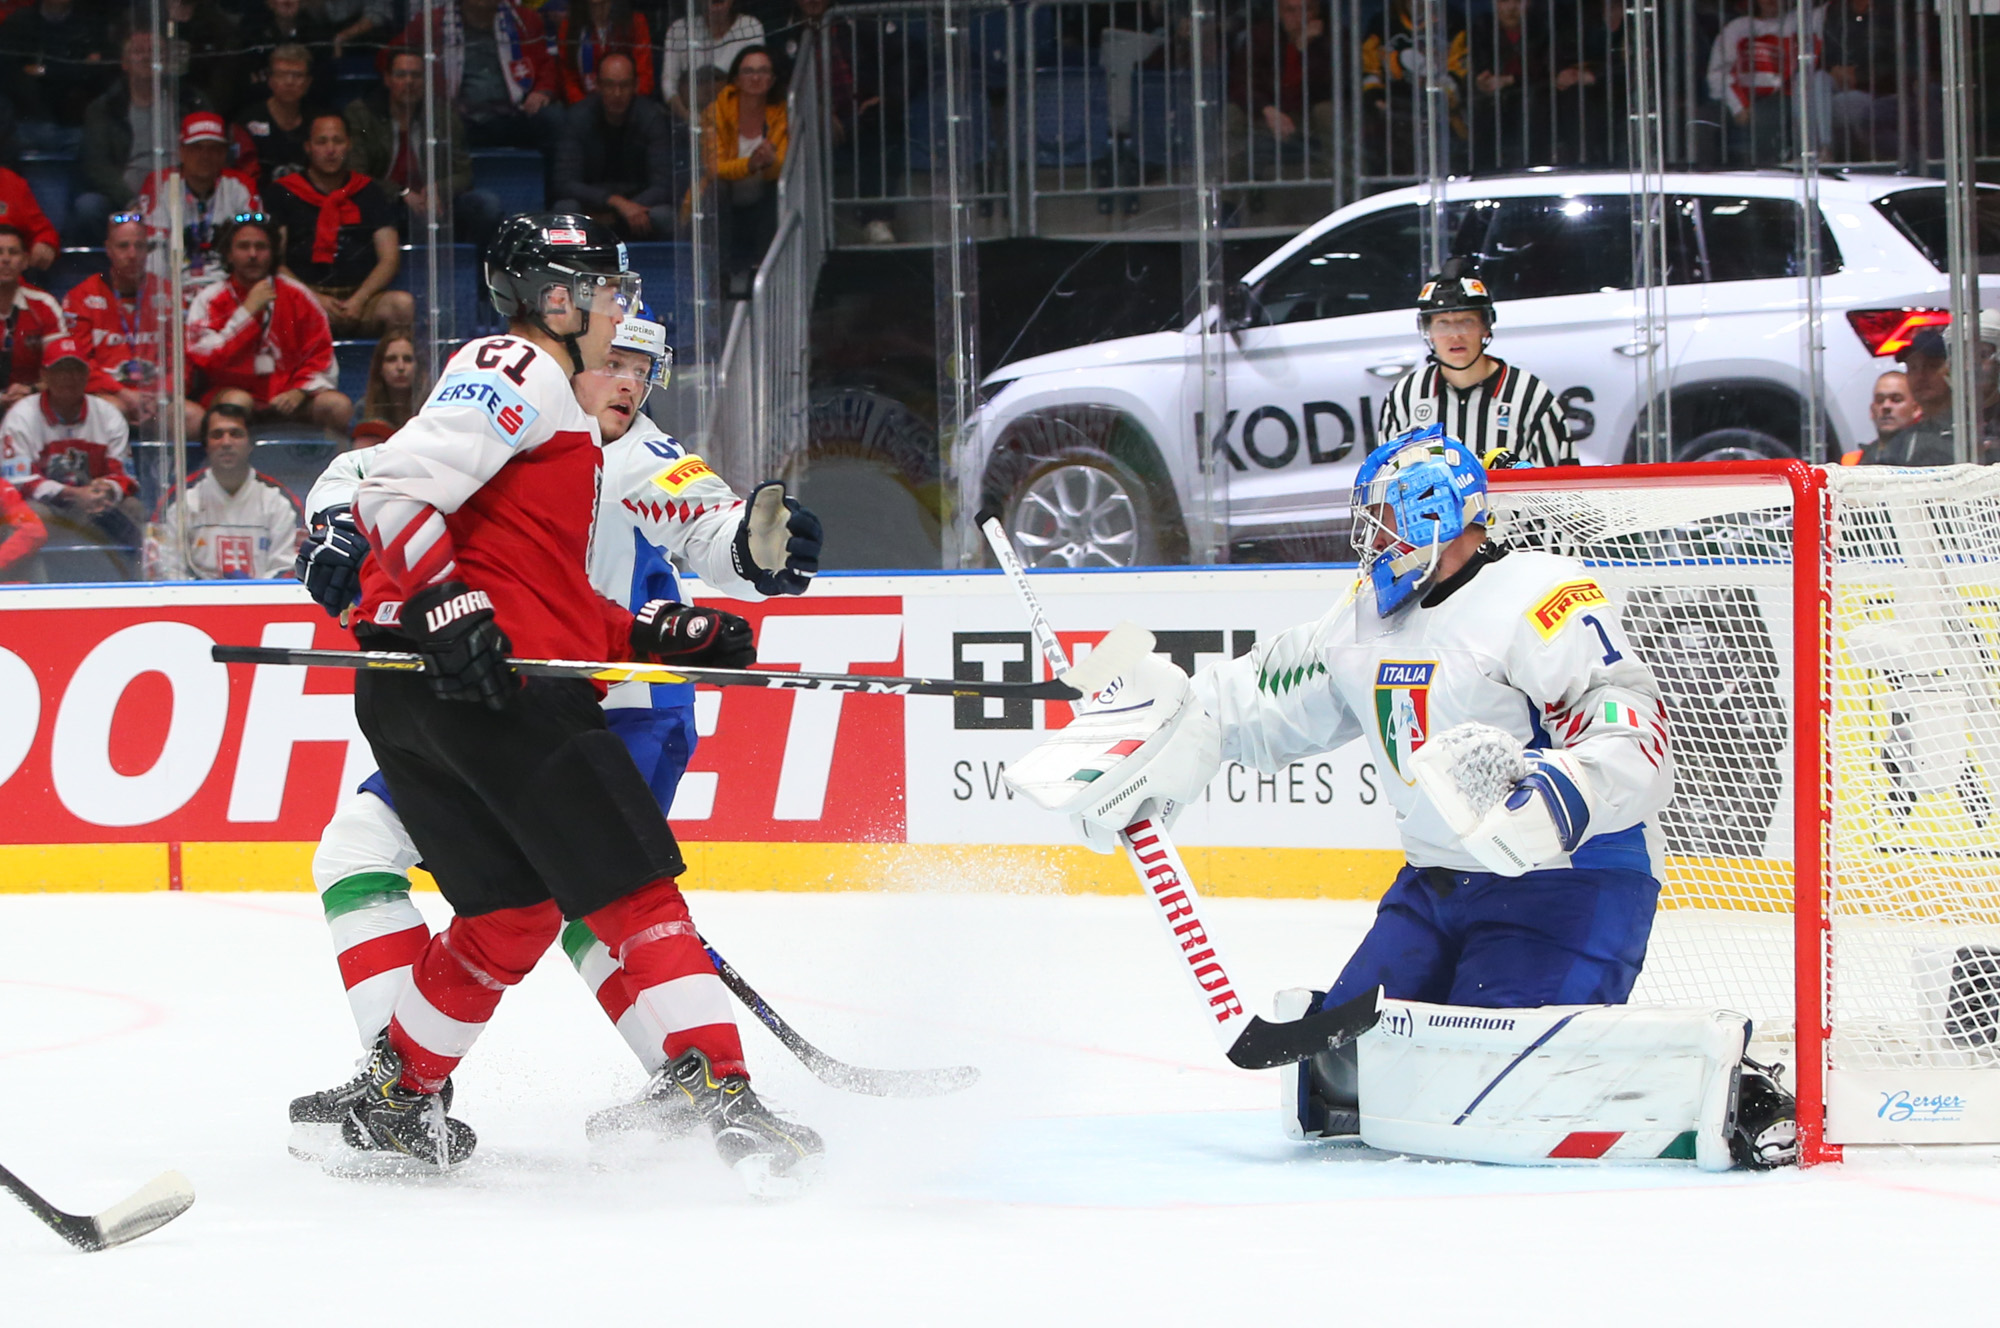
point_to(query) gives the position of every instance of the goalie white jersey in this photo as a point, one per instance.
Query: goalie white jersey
(1530, 643)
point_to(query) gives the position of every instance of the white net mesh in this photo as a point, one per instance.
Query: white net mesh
(1911, 773)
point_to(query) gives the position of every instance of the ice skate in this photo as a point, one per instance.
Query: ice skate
(371, 1114)
(775, 1157)
(661, 1108)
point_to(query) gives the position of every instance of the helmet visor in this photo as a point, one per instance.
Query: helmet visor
(605, 292)
(648, 370)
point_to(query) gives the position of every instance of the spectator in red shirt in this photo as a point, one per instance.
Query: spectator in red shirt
(27, 318)
(594, 29)
(19, 208)
(25, 534)
(115, 317)
(260, 338)
(69, 453)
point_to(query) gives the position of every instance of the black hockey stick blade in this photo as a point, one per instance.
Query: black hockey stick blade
(1265, 1045)
(839, 1074)
(157, 1203)
(776, 679)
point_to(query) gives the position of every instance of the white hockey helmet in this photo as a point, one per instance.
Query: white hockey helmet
(640, 334)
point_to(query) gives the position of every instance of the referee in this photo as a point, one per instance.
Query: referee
(1508, 417)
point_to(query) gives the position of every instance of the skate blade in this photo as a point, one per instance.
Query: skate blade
(760, 1176)
(311, 1142)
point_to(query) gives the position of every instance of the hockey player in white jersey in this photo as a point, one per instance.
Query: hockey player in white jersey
(1524, 745)
(658, 502)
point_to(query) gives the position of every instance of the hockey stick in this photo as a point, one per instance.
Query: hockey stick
(1248, 1040)
(398, 662)
(157, 1203)
(839, 1074)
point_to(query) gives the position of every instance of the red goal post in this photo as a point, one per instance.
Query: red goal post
(1828, 643)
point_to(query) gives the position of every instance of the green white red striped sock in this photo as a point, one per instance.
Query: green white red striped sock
(377, 935)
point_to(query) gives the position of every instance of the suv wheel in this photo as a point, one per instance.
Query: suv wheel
(1734, 445)
(1081, 509)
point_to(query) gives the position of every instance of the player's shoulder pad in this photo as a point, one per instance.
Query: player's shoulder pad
(1550, 589)
(506, 380)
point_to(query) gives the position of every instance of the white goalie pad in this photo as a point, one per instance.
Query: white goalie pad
(1551, 1086)
(1132, 698)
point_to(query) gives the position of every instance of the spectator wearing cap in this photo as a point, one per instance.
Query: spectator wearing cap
(227, 522)
(339, 236)
(21, 534)
(498, 72)
(617, 160)
(279, 125)
(70, 455)
(260, 338)
(117, 149)
(1927, 366)
(57, 57)
(28, 317)
(211, 194)
(385, 132)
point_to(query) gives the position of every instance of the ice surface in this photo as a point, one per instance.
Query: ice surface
(1110, 1168)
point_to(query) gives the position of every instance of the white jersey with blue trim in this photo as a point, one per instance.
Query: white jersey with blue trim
(1530, 644)
(661, 508)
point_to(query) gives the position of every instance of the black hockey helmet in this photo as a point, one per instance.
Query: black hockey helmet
(1454, 289)
(552, 262)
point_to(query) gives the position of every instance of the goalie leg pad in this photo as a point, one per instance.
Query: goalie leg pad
(1554, 1085)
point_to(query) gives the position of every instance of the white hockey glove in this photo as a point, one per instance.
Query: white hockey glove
(1511, 809)
(1140, 745)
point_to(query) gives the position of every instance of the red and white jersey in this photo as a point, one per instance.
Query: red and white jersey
(234, 192)
(252, 534)
(1753, 57)
(41, 453)
(1531, 644)
(31, 319)
(288, 346)
(121, 332)
(494, 483)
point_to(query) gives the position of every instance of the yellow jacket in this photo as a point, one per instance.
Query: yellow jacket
(720, 159)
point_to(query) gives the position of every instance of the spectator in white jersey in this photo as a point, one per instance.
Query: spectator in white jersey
(227, 523)
(1506, 415)
(70, 454)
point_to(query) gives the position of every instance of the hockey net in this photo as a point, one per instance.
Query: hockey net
(1828, 645)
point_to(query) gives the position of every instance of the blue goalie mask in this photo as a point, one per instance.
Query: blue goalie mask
(1414, 495)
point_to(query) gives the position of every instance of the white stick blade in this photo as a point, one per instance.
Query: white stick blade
(159, 1202)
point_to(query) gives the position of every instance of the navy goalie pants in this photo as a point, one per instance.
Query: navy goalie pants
(1561, 937)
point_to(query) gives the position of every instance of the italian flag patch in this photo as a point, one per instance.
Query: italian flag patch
(1617, 712)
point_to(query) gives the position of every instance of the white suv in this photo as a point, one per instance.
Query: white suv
(1093, 454)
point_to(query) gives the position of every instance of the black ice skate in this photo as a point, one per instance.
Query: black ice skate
(371, 1115)
(775, 1157)
(1763, 1120)
(662, 1108)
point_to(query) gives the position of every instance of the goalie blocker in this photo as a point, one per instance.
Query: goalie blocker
(1552, 1085)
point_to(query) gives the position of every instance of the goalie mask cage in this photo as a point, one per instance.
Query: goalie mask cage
(1828, 644)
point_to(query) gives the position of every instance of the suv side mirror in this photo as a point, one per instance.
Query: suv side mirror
(1240, 308)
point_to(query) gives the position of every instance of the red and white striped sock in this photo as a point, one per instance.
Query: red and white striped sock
(458, 984)
(377, 932)
(672, 982)
(600, 972)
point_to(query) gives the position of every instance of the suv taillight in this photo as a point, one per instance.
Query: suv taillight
(1889, 331)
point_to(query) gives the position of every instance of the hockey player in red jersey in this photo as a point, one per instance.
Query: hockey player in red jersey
(523, 805)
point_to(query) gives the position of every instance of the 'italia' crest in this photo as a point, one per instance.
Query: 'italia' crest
(1402, 709)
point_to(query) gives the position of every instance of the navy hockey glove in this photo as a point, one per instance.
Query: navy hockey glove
(777, 544)
(329, 562)
(674, 633)
(465, 652)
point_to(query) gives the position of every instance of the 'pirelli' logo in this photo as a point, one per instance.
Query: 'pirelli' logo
(682, 473)
(1554, 610)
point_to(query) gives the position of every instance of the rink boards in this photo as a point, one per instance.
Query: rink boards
(130, 761)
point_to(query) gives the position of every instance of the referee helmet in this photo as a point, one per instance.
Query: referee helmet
(1455, 289)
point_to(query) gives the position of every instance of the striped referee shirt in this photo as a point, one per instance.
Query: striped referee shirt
(1510, 408)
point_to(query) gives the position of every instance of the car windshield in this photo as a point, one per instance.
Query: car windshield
(1919, 215)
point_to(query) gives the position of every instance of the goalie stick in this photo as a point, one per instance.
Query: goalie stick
(402, 662)
(839, 1074)
(1248, 1040)
(157, 1203)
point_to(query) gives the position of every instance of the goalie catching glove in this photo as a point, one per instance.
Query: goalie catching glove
(1512, 809)
(777, 545)
(668, 632)
(1140, 746)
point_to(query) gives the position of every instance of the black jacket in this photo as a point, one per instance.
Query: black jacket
(585, 170)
